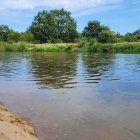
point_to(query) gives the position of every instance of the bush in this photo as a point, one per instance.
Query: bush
(94, 46)
(10, 47)
(22, 47)
(16, 47)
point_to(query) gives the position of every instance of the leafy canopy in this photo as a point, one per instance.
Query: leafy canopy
(101, 33)
(4, 32)
(43, 27)
(54, 25)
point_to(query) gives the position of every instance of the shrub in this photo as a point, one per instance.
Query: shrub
(22, 47)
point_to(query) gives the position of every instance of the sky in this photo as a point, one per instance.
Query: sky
(120, 15)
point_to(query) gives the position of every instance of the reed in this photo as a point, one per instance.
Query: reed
(16, 47)
(123, 47)
(91, 46)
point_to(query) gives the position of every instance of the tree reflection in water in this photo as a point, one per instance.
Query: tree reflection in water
(53, 70)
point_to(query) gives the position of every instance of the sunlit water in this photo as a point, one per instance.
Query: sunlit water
(70, 96)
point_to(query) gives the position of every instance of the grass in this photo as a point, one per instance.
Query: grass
(60, 47)
(26, 47)
(123, 47)
(14, 47)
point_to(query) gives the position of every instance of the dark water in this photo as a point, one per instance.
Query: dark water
(74, 96)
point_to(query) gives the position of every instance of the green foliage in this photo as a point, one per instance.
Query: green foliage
(16, 47)
(22, 47)
(13, 36)
(130, 37)
(2, 43)
(27, 37)
(119, 37)
(54, 26)
(106, 36)
(53, 48)
(92, 30)
(101, 33)
(85, 46)
(94, 46)
(65, 25)
(57, 41)
(10, 47)
(78, 50)
(137, 32)
(133, 37)
(58, 28)
(43, 27)
(4, 32)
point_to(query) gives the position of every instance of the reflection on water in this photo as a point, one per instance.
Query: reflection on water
(72, 96)
(98, 66)
(53, 71)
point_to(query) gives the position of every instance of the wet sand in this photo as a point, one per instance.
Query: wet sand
(14, 127)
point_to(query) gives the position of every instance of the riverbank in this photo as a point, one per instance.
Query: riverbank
(46, 47)
(14, 127)
(122, 47)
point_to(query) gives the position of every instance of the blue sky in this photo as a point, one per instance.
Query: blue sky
(120, 15)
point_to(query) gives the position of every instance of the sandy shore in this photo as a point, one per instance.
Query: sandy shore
(14, 127)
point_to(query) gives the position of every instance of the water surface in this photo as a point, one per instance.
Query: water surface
(70, 96)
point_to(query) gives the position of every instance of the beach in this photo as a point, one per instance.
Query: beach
(14, 127)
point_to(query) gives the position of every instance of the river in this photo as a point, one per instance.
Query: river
(70, 96)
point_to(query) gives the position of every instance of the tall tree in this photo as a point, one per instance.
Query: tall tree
(54, 25)
(65, 25)
(101, 33)
(43, 27)
(4, 32)
(93, 29)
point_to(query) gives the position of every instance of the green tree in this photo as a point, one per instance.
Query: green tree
(27, 37)
(4, 32)
(54, 26)
(106, 37)
(93, 29)
(43, 27)
(13, 36)
(65, 25)
(129, 37)
(137, 34)
(119, 37)
(101, 33)
(132, 37)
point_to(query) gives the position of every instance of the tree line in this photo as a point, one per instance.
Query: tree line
(58, 26)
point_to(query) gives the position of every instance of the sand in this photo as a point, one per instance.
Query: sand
(14, 127)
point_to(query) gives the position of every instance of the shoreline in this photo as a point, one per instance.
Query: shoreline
(14, 126)
(83, 47)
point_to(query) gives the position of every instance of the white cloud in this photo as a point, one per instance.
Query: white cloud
(72, 5)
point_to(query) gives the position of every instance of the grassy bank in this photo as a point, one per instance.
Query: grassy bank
(26, 47)
(94, 47)
(123, 47)
(60, 47)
